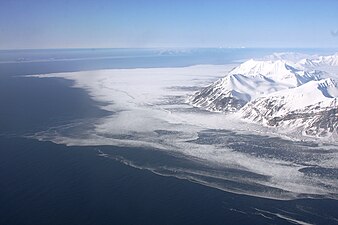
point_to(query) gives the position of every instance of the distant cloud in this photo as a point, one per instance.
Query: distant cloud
(334, 33)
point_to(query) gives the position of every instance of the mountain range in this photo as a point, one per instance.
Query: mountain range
(277, 92)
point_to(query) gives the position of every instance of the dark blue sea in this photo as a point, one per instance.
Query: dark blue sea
(46, 183)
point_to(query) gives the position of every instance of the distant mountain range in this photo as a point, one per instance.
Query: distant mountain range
(331, 60)
(278, 92)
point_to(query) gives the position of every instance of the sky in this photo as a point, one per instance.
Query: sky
(35, 24)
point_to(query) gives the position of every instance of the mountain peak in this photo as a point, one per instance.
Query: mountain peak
(264, 67)
(277, 70)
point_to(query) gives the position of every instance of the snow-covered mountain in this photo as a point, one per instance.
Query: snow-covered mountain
(279, 71)
(248, 81)
(274, 93)
(330, 60)
(233, 92)
(311, 108)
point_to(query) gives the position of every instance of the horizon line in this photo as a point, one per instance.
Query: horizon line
(101, 48)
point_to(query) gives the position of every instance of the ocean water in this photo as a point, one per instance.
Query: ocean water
(48, 182)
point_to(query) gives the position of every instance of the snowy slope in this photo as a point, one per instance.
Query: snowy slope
(249, 81)
(234, 91)
(312, 107)
(308, 94)
(279, 71)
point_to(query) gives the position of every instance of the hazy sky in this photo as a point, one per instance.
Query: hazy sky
(168, 23)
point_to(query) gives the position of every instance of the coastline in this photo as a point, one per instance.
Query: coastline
(58, 184)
